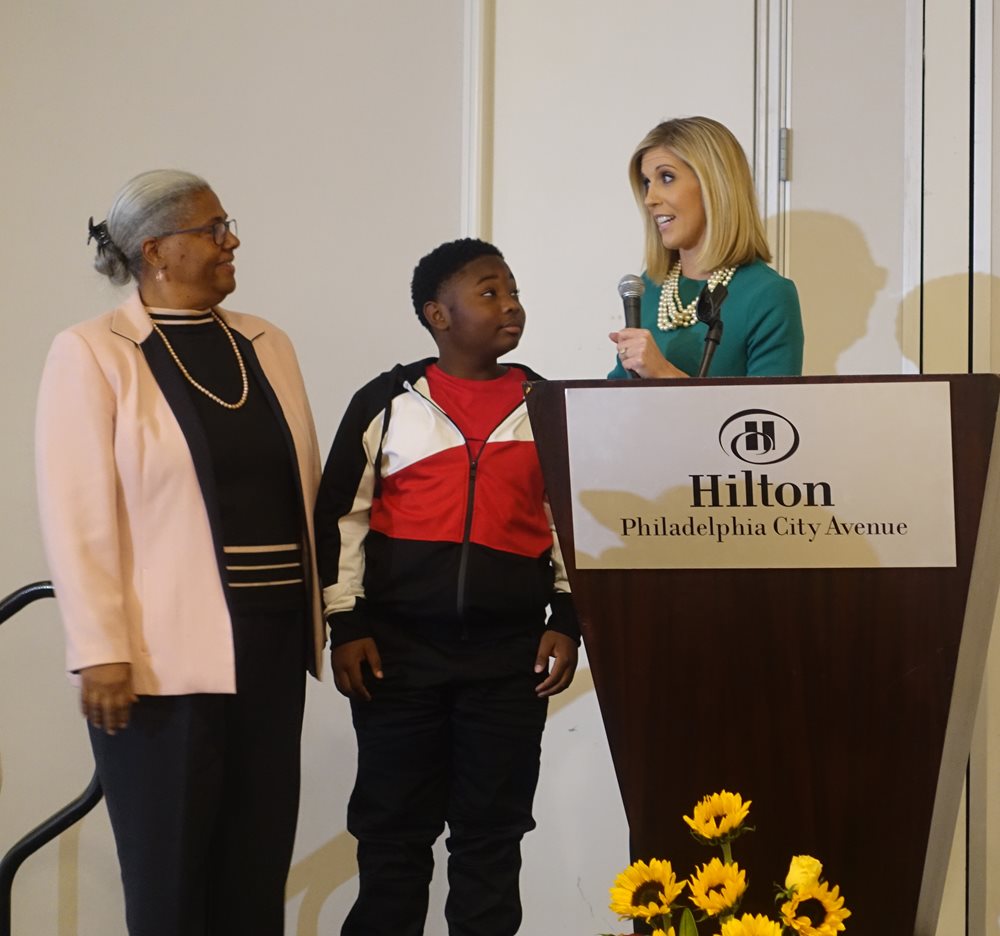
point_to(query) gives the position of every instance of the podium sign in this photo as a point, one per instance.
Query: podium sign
(832, 678)
(764, 476)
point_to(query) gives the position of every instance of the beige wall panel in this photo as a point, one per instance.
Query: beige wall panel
(946, 188)
(846, 193)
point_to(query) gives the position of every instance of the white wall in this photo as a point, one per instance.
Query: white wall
(848, 177)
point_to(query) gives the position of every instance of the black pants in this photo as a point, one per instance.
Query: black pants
(203, 793)
(452, 734)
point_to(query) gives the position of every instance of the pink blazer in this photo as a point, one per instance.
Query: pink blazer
(124, 519)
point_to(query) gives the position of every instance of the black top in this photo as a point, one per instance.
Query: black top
(253, 468)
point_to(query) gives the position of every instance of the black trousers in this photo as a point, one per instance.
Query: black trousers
(452, 735)
(203, 794)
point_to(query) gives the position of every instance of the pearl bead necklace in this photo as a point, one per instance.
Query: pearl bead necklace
(671, 313)
(194, 383)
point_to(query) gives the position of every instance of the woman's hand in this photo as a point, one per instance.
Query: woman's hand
(563, 650)
(106, 695)
(347, 672)
(638, 352)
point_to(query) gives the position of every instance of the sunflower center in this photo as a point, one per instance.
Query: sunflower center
(646, 893)
(814, 910)
(717, 888)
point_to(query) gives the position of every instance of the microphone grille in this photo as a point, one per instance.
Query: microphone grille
(631, 286)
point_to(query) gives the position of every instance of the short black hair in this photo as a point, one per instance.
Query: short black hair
(442, 263)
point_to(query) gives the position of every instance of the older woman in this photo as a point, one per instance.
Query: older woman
(177, 467)
(693, 185)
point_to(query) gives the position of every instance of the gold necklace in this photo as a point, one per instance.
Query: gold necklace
(671, 313)
(194, 383)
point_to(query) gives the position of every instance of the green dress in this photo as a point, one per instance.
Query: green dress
(762, 327)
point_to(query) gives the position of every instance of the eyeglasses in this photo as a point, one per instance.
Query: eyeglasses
(219, 229)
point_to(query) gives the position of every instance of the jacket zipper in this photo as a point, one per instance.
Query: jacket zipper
(463, 562)
(470, 501)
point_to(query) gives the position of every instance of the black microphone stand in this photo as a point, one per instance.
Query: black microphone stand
(709, 311)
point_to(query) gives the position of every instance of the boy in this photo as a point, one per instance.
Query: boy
(438, 561)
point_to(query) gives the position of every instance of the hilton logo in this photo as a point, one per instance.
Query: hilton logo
(759, 437)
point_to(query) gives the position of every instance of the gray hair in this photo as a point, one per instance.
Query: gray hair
(145, 207)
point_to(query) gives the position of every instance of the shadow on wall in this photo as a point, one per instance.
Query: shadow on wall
(839, 284)
(837, 279)
(939, 312)
(319, 874)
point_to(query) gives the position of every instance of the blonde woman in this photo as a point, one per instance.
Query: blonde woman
(693, 185)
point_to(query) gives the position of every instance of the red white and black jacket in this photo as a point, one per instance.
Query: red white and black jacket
(410, 523)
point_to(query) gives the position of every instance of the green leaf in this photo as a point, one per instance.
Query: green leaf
(688, 927)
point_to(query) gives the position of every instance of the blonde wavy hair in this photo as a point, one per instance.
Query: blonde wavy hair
(734, 232)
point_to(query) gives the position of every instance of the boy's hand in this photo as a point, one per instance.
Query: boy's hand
(347, 661)
(563, 650)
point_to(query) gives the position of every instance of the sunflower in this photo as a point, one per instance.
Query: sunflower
(716, 887)
(803, 871)
(815, 910)
(644, 891)
(718, 816)
(750, 926)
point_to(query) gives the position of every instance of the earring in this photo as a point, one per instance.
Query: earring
(160, 275)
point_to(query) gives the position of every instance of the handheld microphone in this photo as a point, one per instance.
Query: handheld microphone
(631, 288)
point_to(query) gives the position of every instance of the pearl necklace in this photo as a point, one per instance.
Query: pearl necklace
(194, 383)
(671, 313)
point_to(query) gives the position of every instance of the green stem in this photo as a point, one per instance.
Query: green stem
(727, 852)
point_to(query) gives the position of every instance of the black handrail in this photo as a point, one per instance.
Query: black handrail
(13, 603)
(60, 821)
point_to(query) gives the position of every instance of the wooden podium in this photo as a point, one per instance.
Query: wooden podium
(840, 700)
